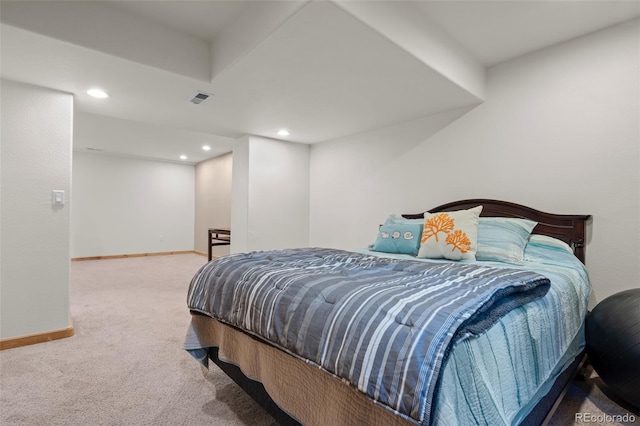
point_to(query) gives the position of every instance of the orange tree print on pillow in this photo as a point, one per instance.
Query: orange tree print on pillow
(459, 240)
(455, 235)
(439, 223)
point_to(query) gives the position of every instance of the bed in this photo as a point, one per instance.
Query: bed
(292, 328)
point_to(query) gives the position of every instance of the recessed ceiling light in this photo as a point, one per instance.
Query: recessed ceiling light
(183, 157)
(206, 147)
(97, 93)
(283, 132)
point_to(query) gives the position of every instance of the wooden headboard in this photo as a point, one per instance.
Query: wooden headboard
(566, 227)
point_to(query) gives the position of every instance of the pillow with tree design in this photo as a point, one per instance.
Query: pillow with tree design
(450, 235)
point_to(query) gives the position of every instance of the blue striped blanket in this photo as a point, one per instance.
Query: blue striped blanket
(383, 325)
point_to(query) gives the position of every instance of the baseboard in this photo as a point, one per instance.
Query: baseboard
(125, 256)
(32, 339)
(201, 253)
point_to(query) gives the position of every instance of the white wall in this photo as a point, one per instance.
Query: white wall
(130, 206)
(270, 206)
(36, 144)
(213, 200)
(558, 132)
(240, 196)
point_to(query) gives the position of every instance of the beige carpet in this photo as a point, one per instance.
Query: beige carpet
(125, 365)
(590, 402)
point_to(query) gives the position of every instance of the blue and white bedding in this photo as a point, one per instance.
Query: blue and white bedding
(497, 378)
(412, 321)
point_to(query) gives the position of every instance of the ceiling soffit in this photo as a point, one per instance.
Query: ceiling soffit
(326, 74)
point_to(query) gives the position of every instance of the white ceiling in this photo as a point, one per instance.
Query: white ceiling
(322, 69)
(496, 31)
(201, 19)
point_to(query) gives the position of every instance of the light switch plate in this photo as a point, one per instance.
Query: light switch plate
(57, 197)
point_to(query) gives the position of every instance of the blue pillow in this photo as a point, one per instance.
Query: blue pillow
(398, 238)
(503, 239)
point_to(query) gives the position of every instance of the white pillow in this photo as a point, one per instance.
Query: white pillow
(450, 235)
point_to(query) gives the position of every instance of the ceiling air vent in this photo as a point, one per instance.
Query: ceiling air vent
(199, 97)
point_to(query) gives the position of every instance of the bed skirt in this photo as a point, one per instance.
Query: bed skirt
(322, 400)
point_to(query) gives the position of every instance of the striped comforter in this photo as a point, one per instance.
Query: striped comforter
(383, 325)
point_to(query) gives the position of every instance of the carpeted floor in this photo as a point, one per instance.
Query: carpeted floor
(125, 365)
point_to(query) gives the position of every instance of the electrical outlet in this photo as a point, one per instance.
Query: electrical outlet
(161, 238)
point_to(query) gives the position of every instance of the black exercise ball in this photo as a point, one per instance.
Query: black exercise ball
(613, 343)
